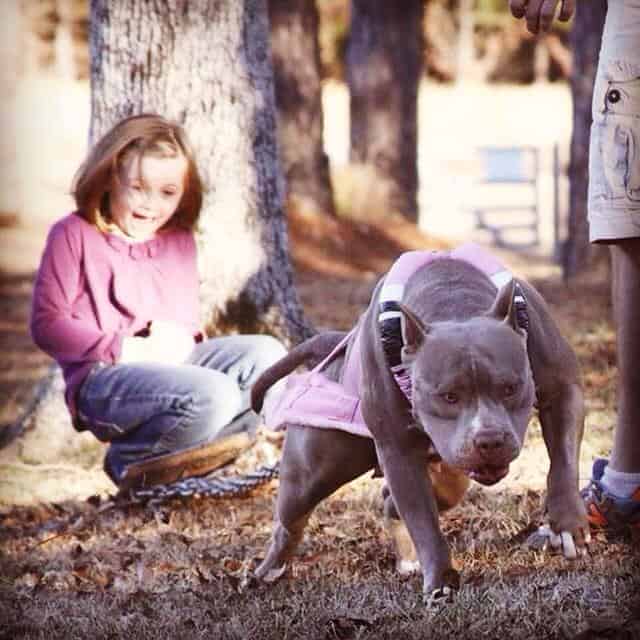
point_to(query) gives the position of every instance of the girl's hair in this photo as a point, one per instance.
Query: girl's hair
(145, 134)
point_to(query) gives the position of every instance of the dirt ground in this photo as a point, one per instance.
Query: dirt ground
(71, 568)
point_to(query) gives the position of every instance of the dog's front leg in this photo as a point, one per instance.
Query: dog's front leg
(562, 419)
(402, 462)
(400, 447)
(449, 486)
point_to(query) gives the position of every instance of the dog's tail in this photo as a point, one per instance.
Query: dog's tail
(310, 352)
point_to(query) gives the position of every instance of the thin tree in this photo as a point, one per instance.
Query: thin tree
(586, 35)
(296, 64)
(207, 64)
(384, 64)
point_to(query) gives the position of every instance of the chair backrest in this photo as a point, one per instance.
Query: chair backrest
(506, 194)
(508, 164)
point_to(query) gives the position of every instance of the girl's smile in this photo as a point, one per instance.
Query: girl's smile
(146, 194)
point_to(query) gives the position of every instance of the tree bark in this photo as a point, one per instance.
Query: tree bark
(384, 62)
(207, 65)
(465, 52)
(296, 65)
(586, 35)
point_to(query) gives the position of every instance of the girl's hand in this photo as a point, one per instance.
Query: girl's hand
(173, 337)
(167, 343)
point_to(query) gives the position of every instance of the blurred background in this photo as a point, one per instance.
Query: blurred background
(497, 109)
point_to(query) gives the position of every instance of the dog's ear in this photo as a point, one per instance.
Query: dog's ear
(505, 309)
(413, 329)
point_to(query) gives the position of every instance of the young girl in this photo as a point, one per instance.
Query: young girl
(115, 303)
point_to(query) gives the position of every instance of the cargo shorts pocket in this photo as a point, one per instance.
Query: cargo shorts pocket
(618, 139)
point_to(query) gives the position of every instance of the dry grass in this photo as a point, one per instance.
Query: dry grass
(179, 570)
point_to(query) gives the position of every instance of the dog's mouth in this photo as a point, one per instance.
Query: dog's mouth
(488, 474)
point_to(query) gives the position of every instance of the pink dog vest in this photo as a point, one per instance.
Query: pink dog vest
(311, 399)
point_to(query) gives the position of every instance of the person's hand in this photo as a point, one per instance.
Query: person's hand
(167, 343)
(172, 340)
(539, 14)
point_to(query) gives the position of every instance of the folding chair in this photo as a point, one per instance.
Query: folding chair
(505, 198)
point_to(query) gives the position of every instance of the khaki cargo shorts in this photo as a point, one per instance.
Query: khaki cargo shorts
(614, 159)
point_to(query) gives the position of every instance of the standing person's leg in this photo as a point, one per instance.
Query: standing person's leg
(613, 495)
(625, 255)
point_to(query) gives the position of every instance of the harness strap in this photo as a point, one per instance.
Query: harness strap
(337, 350)
(392, 292)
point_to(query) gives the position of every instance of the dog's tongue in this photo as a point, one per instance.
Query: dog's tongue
(489, 474)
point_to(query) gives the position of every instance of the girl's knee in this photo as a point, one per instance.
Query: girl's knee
(217, 399)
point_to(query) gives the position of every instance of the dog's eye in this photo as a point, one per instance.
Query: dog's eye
(450, 397)
(509, 390)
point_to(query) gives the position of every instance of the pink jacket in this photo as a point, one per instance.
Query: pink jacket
(93, 289)
(313, 400)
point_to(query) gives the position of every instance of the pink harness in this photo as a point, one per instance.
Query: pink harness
(311, 399)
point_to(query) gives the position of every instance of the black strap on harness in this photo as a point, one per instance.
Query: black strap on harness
(391, 324)
(520, 304)
(391, 332)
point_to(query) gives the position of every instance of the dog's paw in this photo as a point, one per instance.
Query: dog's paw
(438, 597)
(545, 539)
(442, 590)
(270, 575)
(407, 567)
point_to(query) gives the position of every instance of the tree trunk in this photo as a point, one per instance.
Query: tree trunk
(384, 61)
(465, 52)
(586, 35)
(296, 65)
(207, 65)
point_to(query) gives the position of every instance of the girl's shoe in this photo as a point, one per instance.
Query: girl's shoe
(199, 460)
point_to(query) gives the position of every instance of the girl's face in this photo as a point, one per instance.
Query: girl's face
(147, 194)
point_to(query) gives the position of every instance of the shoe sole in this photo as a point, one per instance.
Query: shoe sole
(196, 461)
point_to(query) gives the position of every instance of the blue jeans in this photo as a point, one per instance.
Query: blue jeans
(145, 410)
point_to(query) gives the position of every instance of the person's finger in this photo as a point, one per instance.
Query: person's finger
(547, 14)
(567, 10)
(533, 15)
(518, 7)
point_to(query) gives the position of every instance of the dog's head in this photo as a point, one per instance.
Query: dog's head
(472, 387)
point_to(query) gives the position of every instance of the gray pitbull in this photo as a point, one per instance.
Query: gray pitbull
(475, 374)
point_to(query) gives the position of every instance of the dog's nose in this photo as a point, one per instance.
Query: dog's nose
(489, 442)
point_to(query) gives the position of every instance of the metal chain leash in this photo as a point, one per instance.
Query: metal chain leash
(212, 486)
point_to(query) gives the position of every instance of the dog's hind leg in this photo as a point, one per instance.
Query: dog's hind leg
(315, 462)
(449, 486)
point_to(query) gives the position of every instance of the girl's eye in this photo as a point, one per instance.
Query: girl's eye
(169, 194)
(450, 397)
